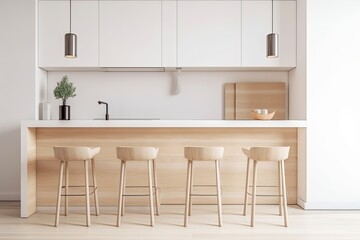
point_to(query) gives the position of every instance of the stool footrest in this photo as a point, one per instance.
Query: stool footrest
(139, 195)
(264, 186)
(78, 194)
(202, 195)
(205, 194)
(204, 185)
(266, 195)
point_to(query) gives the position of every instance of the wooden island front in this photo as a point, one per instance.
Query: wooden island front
(39, 169)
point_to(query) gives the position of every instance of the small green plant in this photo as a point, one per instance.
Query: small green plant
(64, 89)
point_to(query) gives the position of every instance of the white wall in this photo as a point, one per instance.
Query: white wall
(333, 104)
(148, 94)
(297, 76)
(297, 96)
(17, 78)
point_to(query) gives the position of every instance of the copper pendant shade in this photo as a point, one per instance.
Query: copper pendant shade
(272, 39)
(70, 45)
(70, 42)
(272, 42)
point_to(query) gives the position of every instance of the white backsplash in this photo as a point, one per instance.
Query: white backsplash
(148, 94)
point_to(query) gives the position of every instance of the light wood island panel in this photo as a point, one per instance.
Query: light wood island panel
(171, 164)
(31, 171)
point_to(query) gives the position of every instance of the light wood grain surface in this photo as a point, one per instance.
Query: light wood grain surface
(305, 225)
(229, 101)
(171, 164)
(241, 98)
(31, 171)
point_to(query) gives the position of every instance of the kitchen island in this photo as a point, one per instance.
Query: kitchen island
(39, 169)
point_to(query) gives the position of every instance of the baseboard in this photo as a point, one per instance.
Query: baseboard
(329, 205)
(9, 196)
(301, 203)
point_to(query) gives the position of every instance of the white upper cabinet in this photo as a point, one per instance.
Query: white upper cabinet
(54, 23)
(168, 33)
(256, 24)
(209, 33)
(169, 41)
(130, 33)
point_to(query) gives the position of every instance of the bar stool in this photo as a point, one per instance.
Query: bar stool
(69, 154)
(148, 154)
(202, 154)
(261, 154)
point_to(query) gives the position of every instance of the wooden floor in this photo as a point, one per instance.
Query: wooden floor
(202, 225)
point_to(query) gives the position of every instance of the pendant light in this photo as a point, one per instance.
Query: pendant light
(272, 39)
(70, 42)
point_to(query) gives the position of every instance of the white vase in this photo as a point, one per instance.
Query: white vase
(45, 111)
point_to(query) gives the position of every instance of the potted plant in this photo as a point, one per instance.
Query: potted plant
(64, 90)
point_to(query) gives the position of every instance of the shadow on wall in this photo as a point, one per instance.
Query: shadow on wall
(10, 165)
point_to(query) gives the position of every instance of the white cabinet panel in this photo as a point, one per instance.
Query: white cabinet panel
(169, 34)
(256, 24)
(130, 33)
(54, 21)
(209, 33)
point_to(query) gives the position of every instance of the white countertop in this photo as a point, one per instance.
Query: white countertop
(163, 123)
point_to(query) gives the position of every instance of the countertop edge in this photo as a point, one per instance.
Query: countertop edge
(163, 123)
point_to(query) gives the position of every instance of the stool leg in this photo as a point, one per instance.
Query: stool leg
(97, 211)
(66, 188)
(152, 222)
(283, 184)
(191, 187)
(187, 196)
(157, 200)
(121, 188)
(59, 194)
(218, 192)
(280, 190)
(87, 197)
(246, 186)
(124, 189)
(253, 193)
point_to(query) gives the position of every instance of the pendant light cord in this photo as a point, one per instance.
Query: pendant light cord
(272, 16)
(70, 16)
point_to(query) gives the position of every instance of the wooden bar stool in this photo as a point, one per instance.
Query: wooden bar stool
(148, 154)
(261, 154)
(69, 154)
(202, 154)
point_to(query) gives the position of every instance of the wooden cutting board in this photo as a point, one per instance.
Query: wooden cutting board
(241, 98)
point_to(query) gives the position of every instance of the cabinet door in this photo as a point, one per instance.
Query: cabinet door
(169, 34)
(209, 33)
(256, 25)
(130, 33)
(54, 23)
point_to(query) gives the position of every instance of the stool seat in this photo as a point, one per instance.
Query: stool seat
(262, 154)
(267, 153)
(203, 153)
(136, 153)
(69, 154)
(75, 153)
(130, 154)
(195, 153)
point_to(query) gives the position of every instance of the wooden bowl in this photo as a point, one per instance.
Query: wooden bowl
(259, 116)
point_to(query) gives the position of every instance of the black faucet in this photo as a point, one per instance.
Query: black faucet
(107, 109)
